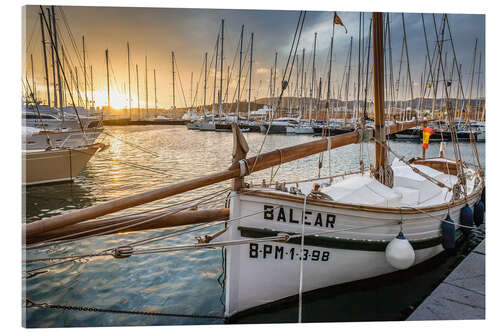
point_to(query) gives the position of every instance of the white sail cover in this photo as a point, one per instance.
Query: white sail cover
(363, 190)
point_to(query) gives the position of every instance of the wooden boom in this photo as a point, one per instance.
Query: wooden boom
(256, 163)
(128, 224)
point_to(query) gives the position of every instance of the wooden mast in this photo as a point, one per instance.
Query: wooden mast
(381, 169)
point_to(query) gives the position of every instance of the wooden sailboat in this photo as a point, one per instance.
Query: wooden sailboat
(339, 228)
(297, 236)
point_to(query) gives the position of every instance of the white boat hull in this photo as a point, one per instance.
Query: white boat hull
(263, 272)
(70, 139)
(58, 165)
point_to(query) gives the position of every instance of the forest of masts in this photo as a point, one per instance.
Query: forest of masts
(314, 91)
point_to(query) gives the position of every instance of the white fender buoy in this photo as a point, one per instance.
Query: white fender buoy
(399, 253)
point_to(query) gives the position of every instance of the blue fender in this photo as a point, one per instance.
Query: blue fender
(479, 213)
(448, 233)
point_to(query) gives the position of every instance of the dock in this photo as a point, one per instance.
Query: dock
(461, 295)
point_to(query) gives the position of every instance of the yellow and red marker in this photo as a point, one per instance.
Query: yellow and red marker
(426, 135)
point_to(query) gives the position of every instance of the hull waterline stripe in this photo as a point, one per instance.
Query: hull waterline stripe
(342, 243)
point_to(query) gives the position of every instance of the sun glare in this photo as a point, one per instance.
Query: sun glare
(117, 100)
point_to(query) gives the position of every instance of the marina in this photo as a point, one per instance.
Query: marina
(96, 185)
(250, 207)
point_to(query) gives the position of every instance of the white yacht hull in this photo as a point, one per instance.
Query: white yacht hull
(58, 139)
(58, 165)
(304, 130)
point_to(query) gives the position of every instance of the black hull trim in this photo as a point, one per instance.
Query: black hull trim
(342, 243)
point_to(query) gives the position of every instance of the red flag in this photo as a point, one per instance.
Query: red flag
(337, 20)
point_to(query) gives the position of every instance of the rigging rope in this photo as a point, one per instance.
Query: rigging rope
(295, 42)
(131, 144)
(139, 219)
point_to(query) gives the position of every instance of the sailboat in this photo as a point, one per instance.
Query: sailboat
(341, 228)
(285, 239)
(49, 155)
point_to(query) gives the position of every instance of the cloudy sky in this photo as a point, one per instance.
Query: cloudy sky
(156, 32)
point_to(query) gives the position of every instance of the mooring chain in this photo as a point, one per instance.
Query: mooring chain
(28, 303)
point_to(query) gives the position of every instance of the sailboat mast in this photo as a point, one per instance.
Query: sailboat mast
(297, 69)
(92, 86)
(359, 68)
(54, 28)
(313, 77)
(274, 76)
(227, 89)
(77, 87)
(85, 74)
(472, 78)
(215, 74)
(64, 66)
(54, 82)
(239, 76)
(146, 74)
(478, 84)
(156, 101)
(302, 82)
(137, 80)
(347, 83)
(33, 79)
(107, 78)
(129, 92)
(378, 94)
(45, 60)
(205, 87)
(329, 78)
(173, 80)
(407, 63)
(221, 67)
(191, 91)
(250, 74)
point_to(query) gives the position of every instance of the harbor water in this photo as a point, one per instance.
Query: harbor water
(191, 282)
